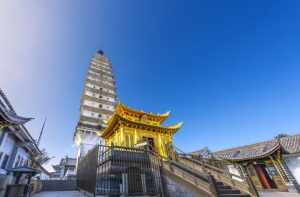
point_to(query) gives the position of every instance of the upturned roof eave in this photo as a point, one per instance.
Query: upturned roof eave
(116, 117)
(266, 154)
(161, 117)
(12, 118)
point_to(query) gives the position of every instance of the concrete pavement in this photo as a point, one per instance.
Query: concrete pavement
(78, 194)
(278, 194)
(59, 194)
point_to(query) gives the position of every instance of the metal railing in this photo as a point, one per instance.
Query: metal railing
(114, 170)
(87, 171)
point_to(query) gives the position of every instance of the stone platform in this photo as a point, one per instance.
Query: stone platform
(59, 194)
(278, 194)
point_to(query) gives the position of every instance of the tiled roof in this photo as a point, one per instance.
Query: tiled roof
(8, 114)
(8, 117)
(289, 144)
(12, 118)
(204, 152)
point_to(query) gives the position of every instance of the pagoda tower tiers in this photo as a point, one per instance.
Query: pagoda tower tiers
(97, 103)
(131, 128)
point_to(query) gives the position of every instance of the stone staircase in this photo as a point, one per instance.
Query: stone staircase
(227, 191)
(200, 181)
(224, 185)
(207, 184)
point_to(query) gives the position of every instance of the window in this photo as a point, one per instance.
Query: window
(100, 106)
(17, 162)
(1, 136)
(271, 171)
(99, 115)
(4, 162)
(21, 162)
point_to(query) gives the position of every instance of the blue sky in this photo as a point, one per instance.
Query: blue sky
(228, 69)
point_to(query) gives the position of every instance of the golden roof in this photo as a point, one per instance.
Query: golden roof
(159, 118)
(145, 120)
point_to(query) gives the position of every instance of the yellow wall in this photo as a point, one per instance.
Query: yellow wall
(128, 137)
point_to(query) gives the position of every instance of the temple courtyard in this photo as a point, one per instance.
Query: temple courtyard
(59, 194)
(78, 194)
(278, 194)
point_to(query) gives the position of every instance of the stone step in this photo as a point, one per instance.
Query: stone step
(223, 187)
(234, 195)
(228, 191)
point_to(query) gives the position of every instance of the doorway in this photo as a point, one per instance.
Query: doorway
(265, 175)
(150, 143)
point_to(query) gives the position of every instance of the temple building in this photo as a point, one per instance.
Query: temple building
(97, 103)
(139, 159)
(131, 128)
(18, 149)
(273, 165)
(65, 169)
(129, 162)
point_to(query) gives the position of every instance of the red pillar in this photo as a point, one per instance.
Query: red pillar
(262, 176)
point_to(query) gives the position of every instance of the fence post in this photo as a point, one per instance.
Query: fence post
(124, 184)
(143, 179)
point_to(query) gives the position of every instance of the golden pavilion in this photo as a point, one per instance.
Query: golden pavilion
(130, 128)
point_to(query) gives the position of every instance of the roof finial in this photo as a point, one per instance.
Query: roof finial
(100, 52)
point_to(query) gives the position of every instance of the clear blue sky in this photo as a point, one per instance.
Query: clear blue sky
(228, 69)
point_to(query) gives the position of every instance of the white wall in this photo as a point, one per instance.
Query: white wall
(7, 144)
(44, 176)
(235, 171)
(86, 141)
(6, 148)
(23, 157)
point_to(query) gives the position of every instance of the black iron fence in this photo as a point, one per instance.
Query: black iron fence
(87, 171)
(18, 190)
(113, 170)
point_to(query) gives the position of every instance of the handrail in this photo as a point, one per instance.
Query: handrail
(223, 177)
(204, 161)
(203, 183)
(217, 168)
(190, 170)
(188, 174)
(208, 165)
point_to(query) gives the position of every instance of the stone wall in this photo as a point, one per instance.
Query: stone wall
(59, 185)
(176, 187)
